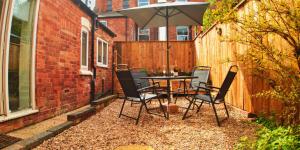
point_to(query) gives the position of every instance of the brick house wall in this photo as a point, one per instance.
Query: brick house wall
(59, 85)
(118, 25)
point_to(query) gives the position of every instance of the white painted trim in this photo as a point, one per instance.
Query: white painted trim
(83, 67)
(86, 73)
(18, 114)
(101, 64)
(6, 101)
(86, 23)
(2, 44)
(33, 65)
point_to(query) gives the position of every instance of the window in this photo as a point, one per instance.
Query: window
(19, 68)
(109, 5)
(90, 3)
(84, 49)
(182, 33)
(143, 34)
(125, 4)
(181, 0)
(143, 2)
(102, 53)
(104, 22)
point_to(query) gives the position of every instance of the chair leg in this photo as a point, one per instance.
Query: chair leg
(215, 111)
(146, 106)
(138, 118)
(162, 108)
(199, 107)
(191, 102)
(226, 110)
(122, 108)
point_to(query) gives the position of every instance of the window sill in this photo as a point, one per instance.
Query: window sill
(18, 114)
(102, 66)
(86, 73)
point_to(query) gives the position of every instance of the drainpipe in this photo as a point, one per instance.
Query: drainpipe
(92, 84)
(126, 29)
(113, 69)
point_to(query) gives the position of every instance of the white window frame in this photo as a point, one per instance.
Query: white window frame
(188, 33)
(143, 34)
(181, 0)
(140, 3)
(104, 22)
(4, 46)
(84, 67)
(101, 64)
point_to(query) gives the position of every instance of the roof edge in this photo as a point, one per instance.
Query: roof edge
(106, 29)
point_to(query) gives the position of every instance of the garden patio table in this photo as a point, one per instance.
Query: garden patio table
(168, 79)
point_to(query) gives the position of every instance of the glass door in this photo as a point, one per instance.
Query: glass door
(20, 55)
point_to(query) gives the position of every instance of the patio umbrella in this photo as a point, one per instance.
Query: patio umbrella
(167, 14)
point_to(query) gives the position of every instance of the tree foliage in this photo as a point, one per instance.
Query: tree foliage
(271, 29)
(217, 10)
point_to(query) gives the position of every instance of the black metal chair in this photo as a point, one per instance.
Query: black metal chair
(208, 98)
(134, 94)
(202, 72)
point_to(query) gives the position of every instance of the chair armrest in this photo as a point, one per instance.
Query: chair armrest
(146, 88)
(201, 87)
(213, 87)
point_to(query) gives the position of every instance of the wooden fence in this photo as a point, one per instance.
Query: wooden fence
(220, 55)
(151, 55)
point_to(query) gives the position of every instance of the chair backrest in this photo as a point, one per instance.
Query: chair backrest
(127, 83)
(227, 82)
(137, 74)
(202, 72)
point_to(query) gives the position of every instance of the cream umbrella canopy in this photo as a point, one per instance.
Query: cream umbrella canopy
(167, 14)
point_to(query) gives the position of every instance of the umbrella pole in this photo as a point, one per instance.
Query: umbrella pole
(168, 62)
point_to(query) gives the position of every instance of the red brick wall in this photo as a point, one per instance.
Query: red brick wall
(59, 86)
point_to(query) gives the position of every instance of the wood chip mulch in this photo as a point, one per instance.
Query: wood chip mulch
(106, 131)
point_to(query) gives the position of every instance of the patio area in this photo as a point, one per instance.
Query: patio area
(106, 131)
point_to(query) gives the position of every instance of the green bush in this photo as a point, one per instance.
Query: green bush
(272, 137)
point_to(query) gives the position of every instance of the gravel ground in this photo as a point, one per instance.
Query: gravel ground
(106, 131)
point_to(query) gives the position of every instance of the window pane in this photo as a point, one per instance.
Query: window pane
(109, 5)
(142, 2)
(20, 55)
(182, 33)
(103, 22)
(100, 51)
(84, 49)
(125, 4)
(105, 46)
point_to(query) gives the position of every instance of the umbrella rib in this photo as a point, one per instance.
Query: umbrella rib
(174, 14)
(150, 20)
(187, 15)
(160, 13)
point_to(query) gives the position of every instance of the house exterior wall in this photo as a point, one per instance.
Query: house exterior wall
(119, 25)
(59, 86)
